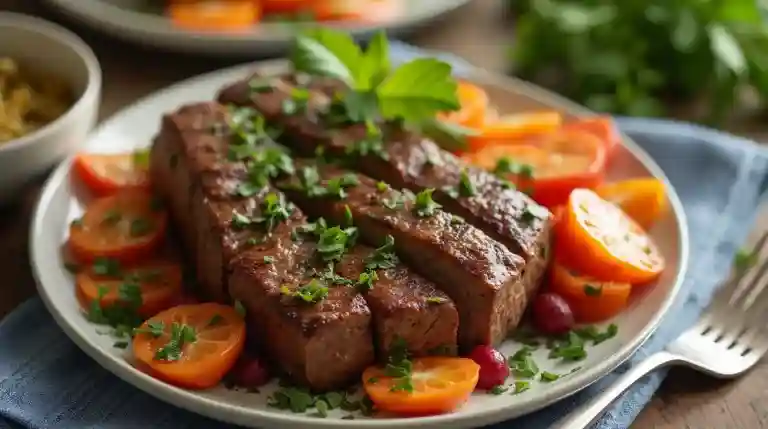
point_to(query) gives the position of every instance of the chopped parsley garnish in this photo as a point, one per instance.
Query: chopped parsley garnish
(330, 276)
(591, 290)
(498, 390)
(300, 400)
(457, 220)
(571, 349)
(111, 217)
(269, 259)
(424, 205)
(215, 320)
(395, 203)
(365, 280)
(522, 364)
(181, 334)
(106, 267)
(249, 129)
(591, 333)
(260, 84)
(399, 366)
(334, 242)
(436, 300)
(120, 344)
(274, 210)
(549, 377)
(335, 187)
(506, 166)
(520, 386)
(533, 212)
(349, 220)
(372, 144)
(264, 165)
(312, 292)
(154, 329)
(312, 228)
(382, 187)
(76, 223)
(240, 221)
(383, 257)
(466, 187)
(744, 259)
(240, 308)
(140, 227)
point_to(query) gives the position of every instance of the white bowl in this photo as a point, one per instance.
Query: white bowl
(49, 50)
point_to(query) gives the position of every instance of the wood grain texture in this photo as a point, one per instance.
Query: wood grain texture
(479, 34)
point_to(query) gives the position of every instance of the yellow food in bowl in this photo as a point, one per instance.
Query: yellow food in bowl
(26, 102)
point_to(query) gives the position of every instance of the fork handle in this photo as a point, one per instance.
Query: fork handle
(583, 417)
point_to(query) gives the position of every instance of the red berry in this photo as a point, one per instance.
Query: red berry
(493, 367)
(250, 373)
(552, 314)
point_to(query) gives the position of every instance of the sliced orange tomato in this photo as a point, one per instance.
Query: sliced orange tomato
(108, 173)
(157, 283)
(548, 167)
(191, 346)
(602, 127)
(474, 104)
(514, 128)
(590, 300)
(598, 240)
(214, 15)
(125, 226)
(440, 384)
(644, 200)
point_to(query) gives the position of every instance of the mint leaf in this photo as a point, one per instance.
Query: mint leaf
(375, 65)
(327, 53)
(418, 90)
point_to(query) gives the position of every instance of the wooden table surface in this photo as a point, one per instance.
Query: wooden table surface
(686, 399)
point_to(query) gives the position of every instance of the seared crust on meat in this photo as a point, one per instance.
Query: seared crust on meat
(478, 273)
(323, 345)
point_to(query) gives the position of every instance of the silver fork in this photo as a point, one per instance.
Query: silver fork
(728, 339)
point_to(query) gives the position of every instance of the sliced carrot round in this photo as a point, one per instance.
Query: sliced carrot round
(214, 14)
(108, 173)
(590, 300)
(515, 127)
(440, 384)
(157, 284)
(644, 200)
(125, 226)
(191, 346)
(474, 103)
(597, 239)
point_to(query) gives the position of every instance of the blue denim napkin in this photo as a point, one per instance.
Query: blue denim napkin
(47, 382)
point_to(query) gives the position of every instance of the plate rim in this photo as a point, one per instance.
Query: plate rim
(217, 410)
(133, 25)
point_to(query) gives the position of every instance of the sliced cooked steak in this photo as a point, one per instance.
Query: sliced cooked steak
(406, 160)
(242, 247)
(478, 273)
(405, 306)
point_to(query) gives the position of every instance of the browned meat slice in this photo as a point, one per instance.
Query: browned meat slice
(478, 273)
(406, 160)
(404, 305)
(324, 344)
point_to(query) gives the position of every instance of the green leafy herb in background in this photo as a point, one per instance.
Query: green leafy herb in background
(631, 56)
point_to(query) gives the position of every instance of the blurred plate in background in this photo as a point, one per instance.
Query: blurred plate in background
(143, 21)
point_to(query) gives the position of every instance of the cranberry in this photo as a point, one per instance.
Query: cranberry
(552, 314)
(493, 367)
(250, 373)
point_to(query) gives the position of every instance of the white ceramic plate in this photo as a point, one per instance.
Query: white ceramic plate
(135, 126)
(132, 20)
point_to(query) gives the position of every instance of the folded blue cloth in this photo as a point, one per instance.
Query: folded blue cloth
(47, 382)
